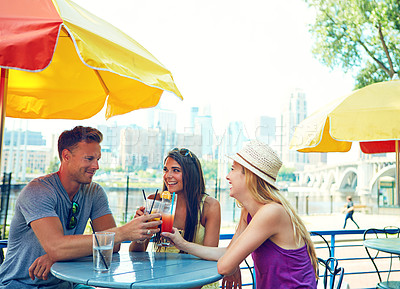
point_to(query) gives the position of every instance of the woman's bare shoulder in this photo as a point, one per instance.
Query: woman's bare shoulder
(211, 202)
(271, 210)
(211, 206)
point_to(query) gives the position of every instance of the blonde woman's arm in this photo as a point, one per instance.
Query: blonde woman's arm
(265, 223)
(204, 252)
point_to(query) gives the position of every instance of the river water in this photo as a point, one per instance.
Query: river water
(303, 203)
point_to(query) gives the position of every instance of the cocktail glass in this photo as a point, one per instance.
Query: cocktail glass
(167, 216)
(153, 207)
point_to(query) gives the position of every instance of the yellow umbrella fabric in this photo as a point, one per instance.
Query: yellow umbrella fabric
(371, 113)
(92, 60)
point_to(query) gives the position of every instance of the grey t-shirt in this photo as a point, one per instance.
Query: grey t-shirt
(45, 197)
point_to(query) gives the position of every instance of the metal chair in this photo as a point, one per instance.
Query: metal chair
(386, 232)
(325, 245)
(333, 274)
(253, 274)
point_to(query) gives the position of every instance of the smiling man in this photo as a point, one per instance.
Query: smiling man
(52, 212)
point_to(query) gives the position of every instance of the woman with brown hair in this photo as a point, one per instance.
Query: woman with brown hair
(197, 215)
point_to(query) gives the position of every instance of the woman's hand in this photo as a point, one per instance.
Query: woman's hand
(232, 281)
(140, 212)
(175, 238)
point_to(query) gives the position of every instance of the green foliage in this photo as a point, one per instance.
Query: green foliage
(210, 169)
(108, 170)
(286, 174)
(370, 74)
(54, 166)
(148, 174)
(358, 33)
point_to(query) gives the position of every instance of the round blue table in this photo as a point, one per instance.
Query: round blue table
(388, 245)
(141, 270)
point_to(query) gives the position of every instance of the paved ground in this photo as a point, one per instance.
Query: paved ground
(335, 221)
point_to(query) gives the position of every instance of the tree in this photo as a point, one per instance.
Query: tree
(53, 166)
(210, 169)
(287, 174)
(358, 33)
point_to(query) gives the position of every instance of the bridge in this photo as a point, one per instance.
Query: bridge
(364, 178)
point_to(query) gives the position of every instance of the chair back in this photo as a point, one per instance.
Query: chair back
(386, 232)
(3, 244)
(322, 247)
(333, 274)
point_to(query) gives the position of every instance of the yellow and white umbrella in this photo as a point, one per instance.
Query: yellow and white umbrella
(370, 115)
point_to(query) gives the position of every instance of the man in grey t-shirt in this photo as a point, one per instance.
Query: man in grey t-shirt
(52, 211)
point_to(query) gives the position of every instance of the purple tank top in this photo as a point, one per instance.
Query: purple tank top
(280, 268)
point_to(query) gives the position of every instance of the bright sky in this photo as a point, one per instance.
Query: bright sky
(240, 57)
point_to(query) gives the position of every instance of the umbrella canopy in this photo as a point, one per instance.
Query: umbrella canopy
(64, 62)
(370, 115)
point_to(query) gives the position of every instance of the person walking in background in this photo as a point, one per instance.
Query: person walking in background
(197, 215)
(349, 210)
(269, 228)
(52, 211)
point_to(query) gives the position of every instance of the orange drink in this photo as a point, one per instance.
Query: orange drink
(167, 217)
(152, 207)
(168, 222)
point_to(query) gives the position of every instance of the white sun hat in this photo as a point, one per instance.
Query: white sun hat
(260, 159)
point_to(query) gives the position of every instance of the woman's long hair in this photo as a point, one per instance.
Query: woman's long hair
(264, 193)
(193, 188)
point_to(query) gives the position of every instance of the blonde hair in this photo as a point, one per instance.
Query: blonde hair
(264, 193)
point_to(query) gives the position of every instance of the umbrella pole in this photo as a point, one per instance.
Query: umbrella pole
(3, 102)
(397, 172)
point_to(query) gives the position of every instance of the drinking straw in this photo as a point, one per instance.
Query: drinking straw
(172, 202)
(97, 241)
(152, 204)
(144, 195)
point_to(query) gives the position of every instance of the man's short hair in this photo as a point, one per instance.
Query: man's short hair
(69, 139)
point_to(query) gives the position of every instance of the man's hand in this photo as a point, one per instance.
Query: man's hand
(40, 268)
(142, 227)
(233, 281)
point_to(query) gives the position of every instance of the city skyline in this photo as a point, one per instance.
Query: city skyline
(238, 58)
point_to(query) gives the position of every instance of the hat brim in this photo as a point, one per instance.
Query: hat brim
(245, 164)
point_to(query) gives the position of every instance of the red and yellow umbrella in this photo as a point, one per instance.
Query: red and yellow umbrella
(59, 61)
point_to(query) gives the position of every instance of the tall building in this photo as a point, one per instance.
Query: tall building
(110, 146)
(24, 152)
(164, 121)
(18, 137)
(266, 129)
(201, 126)
(294, 110)
(228, 144)
(140, 148)
(194, 113)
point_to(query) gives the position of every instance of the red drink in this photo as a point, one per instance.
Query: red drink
(167, 223)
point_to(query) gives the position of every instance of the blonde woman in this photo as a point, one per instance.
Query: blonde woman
(269, 229)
